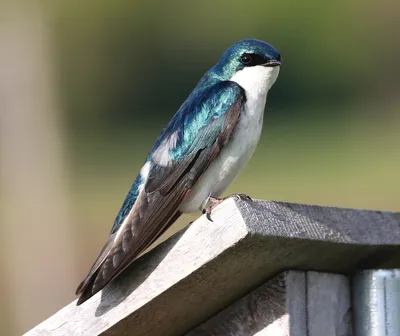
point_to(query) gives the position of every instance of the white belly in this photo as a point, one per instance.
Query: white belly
(232, 158)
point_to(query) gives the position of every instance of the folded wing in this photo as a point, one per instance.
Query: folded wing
(184, 150)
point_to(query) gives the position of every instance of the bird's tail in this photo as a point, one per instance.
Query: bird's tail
(88, 287)
(95, 267)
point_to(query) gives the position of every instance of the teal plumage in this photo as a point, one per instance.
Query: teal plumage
(199, 121)
(181, 155)
(203, 104)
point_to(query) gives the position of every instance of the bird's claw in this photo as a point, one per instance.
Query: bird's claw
(243, 197)
(208, 214)
(213, 203)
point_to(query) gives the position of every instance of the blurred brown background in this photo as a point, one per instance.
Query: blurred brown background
(86, 87)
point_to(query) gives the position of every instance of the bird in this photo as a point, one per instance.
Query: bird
(198, 154)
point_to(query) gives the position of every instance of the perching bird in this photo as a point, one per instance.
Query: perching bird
(197, 156)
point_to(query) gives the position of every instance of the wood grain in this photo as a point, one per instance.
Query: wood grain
(208, 266)
(294, 303)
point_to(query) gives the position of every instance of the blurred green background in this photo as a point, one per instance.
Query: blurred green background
(86, 87)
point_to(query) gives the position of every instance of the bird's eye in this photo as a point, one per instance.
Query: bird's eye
(245, 59)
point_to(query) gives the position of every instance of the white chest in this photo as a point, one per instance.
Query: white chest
(232, 158)
(236, 154)
(256, 81)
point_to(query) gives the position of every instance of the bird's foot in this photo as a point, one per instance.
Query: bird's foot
(241, 197)
(213, 202)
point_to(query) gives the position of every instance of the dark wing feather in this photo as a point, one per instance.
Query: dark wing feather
(100, 258)
(156, 205)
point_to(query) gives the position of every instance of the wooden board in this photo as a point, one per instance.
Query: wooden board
(208, 266)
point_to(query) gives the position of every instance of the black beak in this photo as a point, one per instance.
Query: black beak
(272, 63)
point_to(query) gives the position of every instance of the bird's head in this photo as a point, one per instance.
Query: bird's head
(253, 64)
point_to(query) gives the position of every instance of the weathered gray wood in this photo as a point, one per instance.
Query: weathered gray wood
(265, 311)
(208, 266)
(293, 303)
(328, 305)
(376, 302)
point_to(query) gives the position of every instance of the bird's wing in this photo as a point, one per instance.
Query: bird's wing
(181, 154)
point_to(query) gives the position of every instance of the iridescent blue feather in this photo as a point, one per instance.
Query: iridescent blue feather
(208, 101)
(187, 159)
(207, 105)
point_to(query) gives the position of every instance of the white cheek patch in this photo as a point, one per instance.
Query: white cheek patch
(161, 155)
(256, 80)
